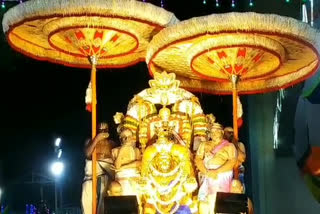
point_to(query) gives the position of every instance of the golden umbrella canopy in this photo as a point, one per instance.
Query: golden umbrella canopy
(235, 53)
(85, 33)
(68, 31)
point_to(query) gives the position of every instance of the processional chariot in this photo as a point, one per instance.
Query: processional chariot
(220, 54)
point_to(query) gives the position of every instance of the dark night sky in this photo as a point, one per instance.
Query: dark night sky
(40, 101)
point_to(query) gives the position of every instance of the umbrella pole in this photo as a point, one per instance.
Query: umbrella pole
(93, 60)
(234, 79)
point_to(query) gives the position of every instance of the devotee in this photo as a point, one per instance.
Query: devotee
(105, 174)
(127, 161)
(215, 160)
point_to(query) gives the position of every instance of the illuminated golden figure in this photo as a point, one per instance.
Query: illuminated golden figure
(167, 176)
(186, 114)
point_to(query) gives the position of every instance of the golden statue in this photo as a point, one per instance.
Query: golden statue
(167, 175)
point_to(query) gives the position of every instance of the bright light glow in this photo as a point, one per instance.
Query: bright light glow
(57, 142)
(3, 5)
(57, 168)
(251, 4)
(312, 16)
(304, 14)
(0, 192)
(59, 153)
(204, 2)
(287, 1)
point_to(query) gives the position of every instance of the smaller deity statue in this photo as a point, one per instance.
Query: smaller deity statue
(215, 160)
(127, 161)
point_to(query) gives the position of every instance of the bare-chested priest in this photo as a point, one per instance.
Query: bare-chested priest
(105, 173)
(215, 160)
(127, 162)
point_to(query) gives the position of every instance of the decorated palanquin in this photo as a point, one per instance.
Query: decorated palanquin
(186, 115)
(165, 119)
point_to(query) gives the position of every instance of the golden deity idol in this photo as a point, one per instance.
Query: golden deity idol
(167, 175)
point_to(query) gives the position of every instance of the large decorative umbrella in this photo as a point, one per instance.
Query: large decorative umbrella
(87, 34)
(235, 53)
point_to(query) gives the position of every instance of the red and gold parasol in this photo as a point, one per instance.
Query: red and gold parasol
(85, 34)
(235, 53)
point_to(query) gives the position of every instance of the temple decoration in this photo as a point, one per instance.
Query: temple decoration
(185, 114)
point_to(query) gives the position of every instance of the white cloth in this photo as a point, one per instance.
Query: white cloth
(86, 198)
(104, 176)
(209, 186)
(127, 179)
(103, 167)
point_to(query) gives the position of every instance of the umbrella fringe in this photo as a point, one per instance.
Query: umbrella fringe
(125, 8)
(239, 22)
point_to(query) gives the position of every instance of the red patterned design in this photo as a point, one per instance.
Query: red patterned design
(80, 35)
(228, 68)
(242, 52)
(115, 38)
(210, 60)
(222, 54)
(98, 34)
(68, 40)
(258, 57)
(238, 68)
